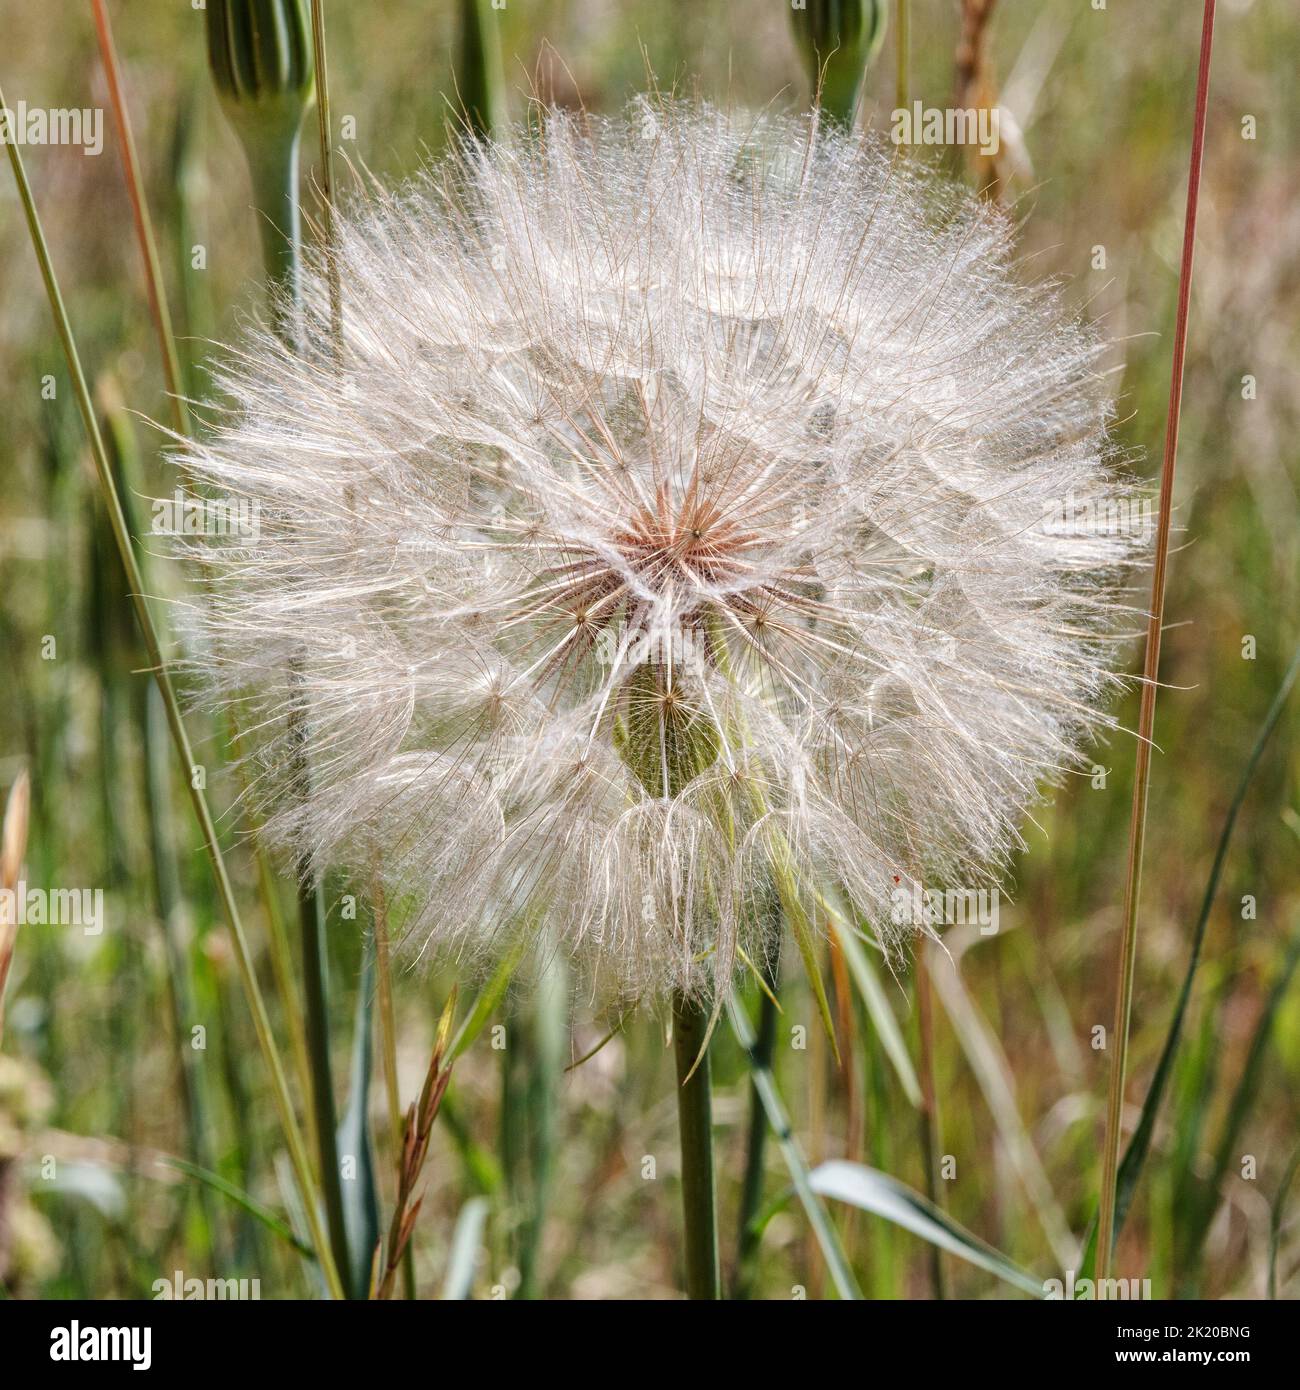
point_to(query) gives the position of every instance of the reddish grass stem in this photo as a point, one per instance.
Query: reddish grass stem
(183, 423)
(143, 224)
(1151, 665)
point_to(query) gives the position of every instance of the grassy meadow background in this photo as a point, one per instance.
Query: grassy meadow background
(99, 1080)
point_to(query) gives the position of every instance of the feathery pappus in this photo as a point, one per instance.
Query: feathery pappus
(672, 545)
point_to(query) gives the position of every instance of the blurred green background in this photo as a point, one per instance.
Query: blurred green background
(93, 1067)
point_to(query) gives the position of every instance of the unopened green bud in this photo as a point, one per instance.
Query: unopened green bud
(260, 54)
(838, 40)
(261, 59)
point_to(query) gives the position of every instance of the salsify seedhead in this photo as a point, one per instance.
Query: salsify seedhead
(698, 524)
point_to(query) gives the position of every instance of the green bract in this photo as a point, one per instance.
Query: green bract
(838, 39)
(260, 54)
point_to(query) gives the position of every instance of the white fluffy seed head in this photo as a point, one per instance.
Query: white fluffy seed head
(694, 521)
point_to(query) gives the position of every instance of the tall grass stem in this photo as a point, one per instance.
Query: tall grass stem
(183, 423)
(180, 736)
(1151, 670)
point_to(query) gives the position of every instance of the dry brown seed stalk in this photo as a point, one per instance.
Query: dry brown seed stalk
(415, 1149)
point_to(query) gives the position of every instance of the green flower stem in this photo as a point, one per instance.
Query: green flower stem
(902, 56)
(311, 922)
(311, 897)
(478, 69)
(263, 69)
(695, 1123)
(311, 913)
(324, 129)
(273, 165)
(274, 169)
(180, 736)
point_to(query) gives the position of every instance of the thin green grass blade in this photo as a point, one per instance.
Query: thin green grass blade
(355, 1146)
(1243, 1100)
(481, 1169)
(486, 1002)
(1130, 1169)
(988, 1061)
(548, 1036)
(465, 1241)
(240, 1198)
(297, 1214)
(818, 1217)
(801, 930)
(883, 1196)
(885, 1258)
(176, 723)
(869, 985)
(1192, 1096)
(1275, 1219)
